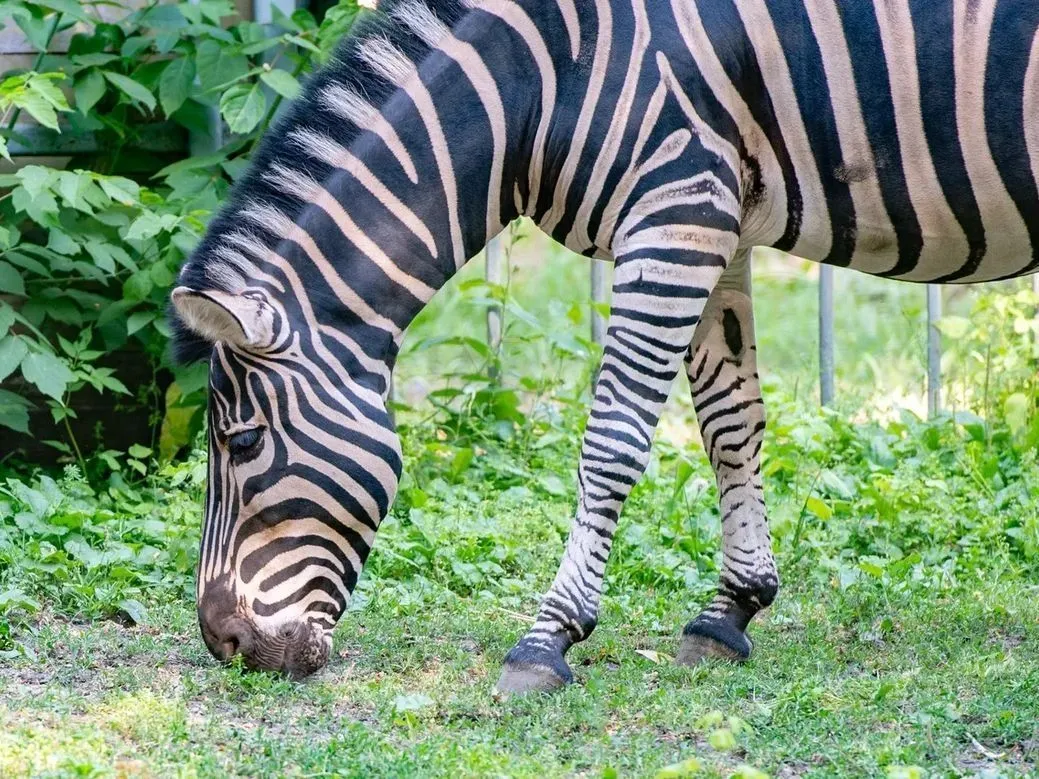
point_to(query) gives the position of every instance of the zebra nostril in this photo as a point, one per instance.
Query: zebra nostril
(228, 638)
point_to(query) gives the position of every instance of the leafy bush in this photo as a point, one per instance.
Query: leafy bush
(992, 360)
(90, 553)
(87, 256)
(907, 507)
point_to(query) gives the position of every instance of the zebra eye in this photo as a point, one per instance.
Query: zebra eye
(242, 445)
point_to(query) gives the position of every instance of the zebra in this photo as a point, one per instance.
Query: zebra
(899, 138)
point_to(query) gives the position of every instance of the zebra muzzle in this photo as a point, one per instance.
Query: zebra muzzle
(296, 649)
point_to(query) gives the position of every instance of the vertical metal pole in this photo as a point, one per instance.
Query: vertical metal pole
(1035, 334)
(934, 350)
(598, 296)
(826, 337)
(495, 274)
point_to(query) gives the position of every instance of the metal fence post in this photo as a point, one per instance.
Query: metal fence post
(934, 350)
(495, 274)
(826, 336)
(598, 296)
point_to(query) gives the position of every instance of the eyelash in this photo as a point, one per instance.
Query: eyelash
(239, 453)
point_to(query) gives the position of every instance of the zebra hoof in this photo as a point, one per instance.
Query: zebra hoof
(697, 648)
(519, 679)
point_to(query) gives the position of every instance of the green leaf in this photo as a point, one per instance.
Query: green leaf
(101, 256)
(70, 7)
(75, 189)
(36, 207)
(164, 17)
(190, 163)
(11, 280)
(119, 189)
(686, 768)
(1016, 408)
(83, 552)
(953, 326)
(192, 378)
(36, 29)
(146, 226)
(282, 82)
(175, 84)
(140, 452)
(44, 86)
(38, 107)
(871, 568)
(14, 412)
(215, 10)
(552, 484)
(243, 107)
(36, 178)
(9, 236)
(722, 739)
(112, 383)
(162, 275)
(93, 59)
(836, 485)
(819, 508)
(744, 771)
(134, 45)
(7, 317)
(134, 610)
(137, 320)
(12, 350)
(62, 243)
(37, 502)
(261, 46)
(217, 65)
(3, 149)
(412, 702)
(904, 772)
(138, 286)
(132, 89)
(303, 43)
(30, 264)
(50, 374)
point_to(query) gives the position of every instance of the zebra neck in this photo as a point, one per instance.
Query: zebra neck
(444, 164)
(397, 164)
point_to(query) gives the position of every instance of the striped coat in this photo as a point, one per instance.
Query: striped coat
(896, 137)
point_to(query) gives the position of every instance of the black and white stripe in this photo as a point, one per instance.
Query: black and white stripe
(896, 137)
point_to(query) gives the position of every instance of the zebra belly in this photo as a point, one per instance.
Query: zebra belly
(912, 129)
(935, 254)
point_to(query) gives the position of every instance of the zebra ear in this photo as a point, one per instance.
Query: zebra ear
(240, 320)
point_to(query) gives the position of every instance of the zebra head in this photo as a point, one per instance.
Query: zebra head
(303, 464)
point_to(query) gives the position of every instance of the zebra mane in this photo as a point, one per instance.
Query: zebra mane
(364, 72)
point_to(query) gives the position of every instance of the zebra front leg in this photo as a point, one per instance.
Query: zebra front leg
(656, 305)
(723, 378)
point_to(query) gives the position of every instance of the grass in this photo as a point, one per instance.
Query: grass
(903, 642)
(842, 684)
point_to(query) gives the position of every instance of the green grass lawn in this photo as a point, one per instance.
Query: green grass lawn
(855, 683)
(904, 643)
